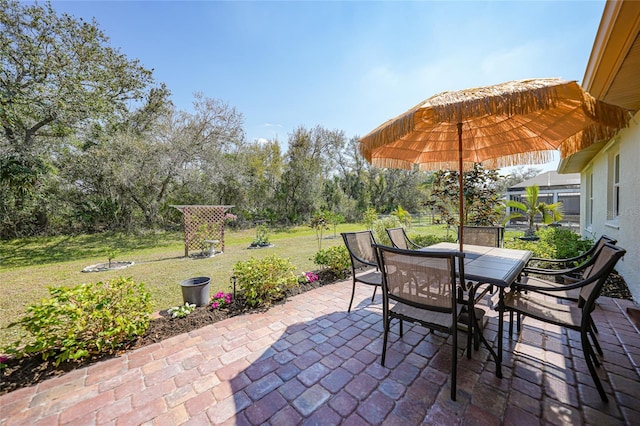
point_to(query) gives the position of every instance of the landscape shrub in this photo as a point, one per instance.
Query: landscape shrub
(554, 243)
(380, 226)
(538, 248)
(335, 258)
(84, 320)
(263, 281)
(425, 240)
(565, 242)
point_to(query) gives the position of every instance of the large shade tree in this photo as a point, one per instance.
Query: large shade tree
(56, 74)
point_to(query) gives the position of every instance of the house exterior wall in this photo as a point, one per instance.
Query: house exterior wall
(626, 226)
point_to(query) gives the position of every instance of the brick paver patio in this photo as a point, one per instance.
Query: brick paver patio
(310, 362)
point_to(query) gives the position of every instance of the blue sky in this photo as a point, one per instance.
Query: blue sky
(342, 65)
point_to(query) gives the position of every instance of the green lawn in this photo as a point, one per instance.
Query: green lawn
(29, 266)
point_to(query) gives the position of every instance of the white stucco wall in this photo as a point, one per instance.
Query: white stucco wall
(626, 229)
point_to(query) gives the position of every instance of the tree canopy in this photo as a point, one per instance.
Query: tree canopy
(90, 141)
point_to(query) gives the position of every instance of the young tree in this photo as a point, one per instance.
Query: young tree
(263, 170)
(531, 208)
(481, 197)
(307, 162)
(403, 216)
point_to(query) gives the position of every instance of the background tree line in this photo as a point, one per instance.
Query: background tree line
(91, 142)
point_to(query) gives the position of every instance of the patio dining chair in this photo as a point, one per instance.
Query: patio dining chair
(557, 266)
(489, 236)
(567, 275)
(538, 303)
(420, 287)
(399, 239)
(363, 257)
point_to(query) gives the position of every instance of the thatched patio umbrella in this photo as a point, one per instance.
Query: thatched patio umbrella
(518, 122)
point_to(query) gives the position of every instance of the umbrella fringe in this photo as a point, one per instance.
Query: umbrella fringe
(536, 157)
(392, 163)
(605, 114)
(586, 138)
(398, 128)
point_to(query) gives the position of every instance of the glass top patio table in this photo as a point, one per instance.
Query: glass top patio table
(491, 265)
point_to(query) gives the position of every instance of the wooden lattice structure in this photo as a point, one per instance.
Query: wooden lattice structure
(202, 223)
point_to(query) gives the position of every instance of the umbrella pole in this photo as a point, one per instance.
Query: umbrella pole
(461, 184)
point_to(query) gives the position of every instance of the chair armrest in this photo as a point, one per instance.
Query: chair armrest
(554, 272)
(544, 271)
(414, 245)
(366, 262)
(579, 258)
(520, 286)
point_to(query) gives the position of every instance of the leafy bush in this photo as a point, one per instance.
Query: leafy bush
(566, 242)
(335, 258)
(425, 240)
(263, 281)
(554, 243)
(539, 248)
(87, 319)
(379, 229)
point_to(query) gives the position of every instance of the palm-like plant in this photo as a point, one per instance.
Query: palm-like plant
(530, 208)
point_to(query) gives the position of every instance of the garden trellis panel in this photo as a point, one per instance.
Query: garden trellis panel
(202, 223)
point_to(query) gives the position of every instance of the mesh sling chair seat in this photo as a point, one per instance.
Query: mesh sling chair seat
(363, 256)
(529, 301)
(489, 236)
(420, 286)
(399, 239)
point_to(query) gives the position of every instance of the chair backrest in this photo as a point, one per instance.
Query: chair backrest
(593, 251)
(422, 279)
(398, 238)
(600, 243)
(360, 247)
(490, 236)
(599, 268)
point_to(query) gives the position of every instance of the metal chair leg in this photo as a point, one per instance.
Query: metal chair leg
(353, 293)
(586, 348)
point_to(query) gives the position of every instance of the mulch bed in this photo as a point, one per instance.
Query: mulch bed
(29, 371)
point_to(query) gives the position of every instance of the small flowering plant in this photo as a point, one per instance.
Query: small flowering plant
(182, 310)
(221, 299)
(308, 277)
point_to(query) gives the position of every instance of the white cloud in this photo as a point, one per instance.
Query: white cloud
(515, 63)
